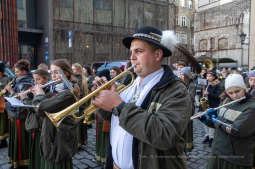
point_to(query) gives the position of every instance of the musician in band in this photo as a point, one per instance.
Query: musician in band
(251, 80)
(185, 75)
(4, 132)
(58, 146)
(103, 123)
(33, 122)
(18, 149)
(233, 144)
(148, 118)
(83, 85)
(251, 90)
(212, 93)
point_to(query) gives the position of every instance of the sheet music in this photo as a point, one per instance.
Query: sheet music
(202, 81)
(17, 103)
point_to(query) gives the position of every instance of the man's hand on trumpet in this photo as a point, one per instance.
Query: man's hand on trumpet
(106, 99)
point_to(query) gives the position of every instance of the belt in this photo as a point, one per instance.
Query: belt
(115, 166)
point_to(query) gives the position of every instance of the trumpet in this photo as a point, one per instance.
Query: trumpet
(42, 86)
(57, 118)
(3, 91)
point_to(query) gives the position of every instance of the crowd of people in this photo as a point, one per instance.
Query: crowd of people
(147, 126)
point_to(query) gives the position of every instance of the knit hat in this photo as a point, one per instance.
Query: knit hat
(186, 71)
(251, 74)
(235, 80)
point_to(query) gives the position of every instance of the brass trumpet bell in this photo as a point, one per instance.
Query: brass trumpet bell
(208, 64)
(57, 118)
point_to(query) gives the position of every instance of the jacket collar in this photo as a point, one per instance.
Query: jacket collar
(166, 79)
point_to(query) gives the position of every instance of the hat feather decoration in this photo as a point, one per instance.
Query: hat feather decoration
(169, 40)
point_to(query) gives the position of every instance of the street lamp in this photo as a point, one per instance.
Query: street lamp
(242, 37)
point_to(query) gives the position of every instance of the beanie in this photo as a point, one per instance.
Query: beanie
(235, 80)
(251, 74)
(186, 71)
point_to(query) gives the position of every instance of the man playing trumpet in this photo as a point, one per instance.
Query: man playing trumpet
(148, 118)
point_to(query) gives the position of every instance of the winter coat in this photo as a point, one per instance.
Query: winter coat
(159, 124)
(214, 90)
(20, 84)
(236, 147)
(57, 144)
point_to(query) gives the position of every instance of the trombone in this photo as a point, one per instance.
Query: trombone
(57, 118)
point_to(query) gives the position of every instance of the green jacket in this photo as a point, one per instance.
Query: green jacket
(237, 147)
(58, 144)
(159, 124)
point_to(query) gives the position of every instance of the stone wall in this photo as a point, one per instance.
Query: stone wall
(217, 31)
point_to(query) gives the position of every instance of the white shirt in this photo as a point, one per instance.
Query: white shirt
(121, 141)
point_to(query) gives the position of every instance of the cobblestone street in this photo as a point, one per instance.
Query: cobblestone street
(84, 159)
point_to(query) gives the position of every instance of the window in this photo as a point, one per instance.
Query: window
(66, 3)
(177, 20)
(203, 44)
(182, 2)
(184, 21)
(212, 43)
(20, 4)
(102, 4)
(223, 43)
(183, 38)
(190, 4)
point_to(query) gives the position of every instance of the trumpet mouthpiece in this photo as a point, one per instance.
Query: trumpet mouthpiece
(131, 67)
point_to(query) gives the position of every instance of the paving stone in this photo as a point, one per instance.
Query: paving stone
(82, 166)
(89, 163)
(6, 166)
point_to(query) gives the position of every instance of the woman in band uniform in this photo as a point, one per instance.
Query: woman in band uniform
(18, 149)
(82, 81)
(233, 146)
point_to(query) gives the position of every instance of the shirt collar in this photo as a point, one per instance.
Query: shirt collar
(149, 77)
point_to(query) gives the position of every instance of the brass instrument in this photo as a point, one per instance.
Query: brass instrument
(220, 76)
(56, 118)
(204, 104)
(203, 101)
(3, 91)
(209, 64)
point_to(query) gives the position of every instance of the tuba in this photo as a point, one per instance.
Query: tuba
(208, 64)
(57, 118)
